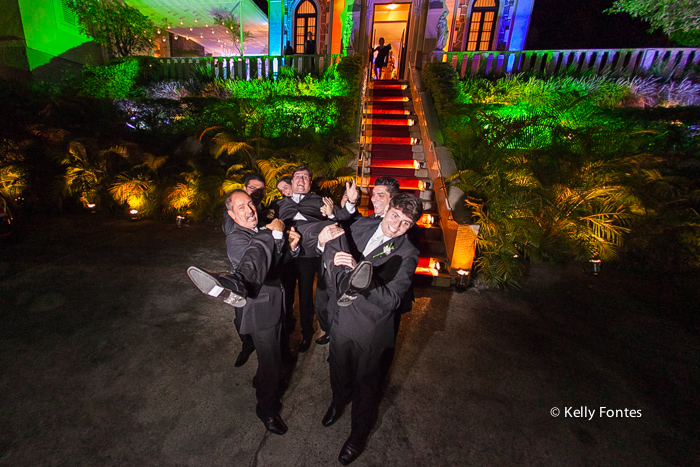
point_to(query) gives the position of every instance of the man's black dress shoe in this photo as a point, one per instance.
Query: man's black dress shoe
(274, 424)
(352, 449)
(304, 345)
(332, 414)
(324, 339)
(243, 356)
(228, 286)
(354, 282)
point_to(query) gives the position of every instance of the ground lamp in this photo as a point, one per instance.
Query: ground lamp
(180, 221)
(134, 214)
(462, 281)
(594, 266)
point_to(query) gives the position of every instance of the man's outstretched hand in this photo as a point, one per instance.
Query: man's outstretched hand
(352, 191)
(327, 208)
(342, 258)
(293, 238)
(276, 224)
(328, 233)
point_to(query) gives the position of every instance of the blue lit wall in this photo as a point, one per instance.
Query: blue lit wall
(520, 24)
(275, 12)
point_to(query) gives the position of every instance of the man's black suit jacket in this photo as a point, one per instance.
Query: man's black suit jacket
(370, 319)
(264, 310)
(309, 207)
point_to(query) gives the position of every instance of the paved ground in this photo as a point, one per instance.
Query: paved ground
(110, 356)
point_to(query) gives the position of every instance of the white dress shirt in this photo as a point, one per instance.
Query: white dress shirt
(375, 240)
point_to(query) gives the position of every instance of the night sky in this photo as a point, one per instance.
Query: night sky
(581, 24)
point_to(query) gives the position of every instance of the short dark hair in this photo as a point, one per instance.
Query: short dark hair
(286, 179)
(391, 183)
(230, 195)
(410, 205)
(301, 168)
(253, 176)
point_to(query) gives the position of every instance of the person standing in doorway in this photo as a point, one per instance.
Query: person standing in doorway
(310, 49)
(382, 57)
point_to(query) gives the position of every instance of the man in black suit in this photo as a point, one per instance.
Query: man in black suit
(303, 210)
(362, 320)
(254, 186)
(256, 291)
(384, 189)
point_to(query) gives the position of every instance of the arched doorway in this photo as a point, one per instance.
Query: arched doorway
(482, 25)
(305, 21)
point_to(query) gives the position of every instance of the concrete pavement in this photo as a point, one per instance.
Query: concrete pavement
(110, 356)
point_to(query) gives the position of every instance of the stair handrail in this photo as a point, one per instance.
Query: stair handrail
(460, 239)
(363, 163)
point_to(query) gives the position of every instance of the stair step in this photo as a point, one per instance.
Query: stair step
(405, 183)
(431, 249)
(388, 85)
(400, 123)
(398, 154)
(395, 163)
(406, 140)
(391, 130)
(431, 235)
(389, 99)
(386, 111)
(404, 132)
(374, 93)
(391, 172)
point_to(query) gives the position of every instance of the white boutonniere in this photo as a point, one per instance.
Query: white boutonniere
(386, 250)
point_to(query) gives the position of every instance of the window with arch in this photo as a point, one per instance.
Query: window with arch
(482, 24)
(305, 20)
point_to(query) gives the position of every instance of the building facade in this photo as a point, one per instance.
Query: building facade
(38, 32)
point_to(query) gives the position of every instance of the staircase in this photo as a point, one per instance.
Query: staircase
(391, 147)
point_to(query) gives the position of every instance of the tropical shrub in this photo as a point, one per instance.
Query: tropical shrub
(553, 171)
(115, 80)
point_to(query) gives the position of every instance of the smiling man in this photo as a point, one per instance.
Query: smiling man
(384, 189)
(254, 186)
(255, 290)
(303, 210)
(370, 281)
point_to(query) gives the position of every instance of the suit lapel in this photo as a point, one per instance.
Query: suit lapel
(379, 255)
(365, 234)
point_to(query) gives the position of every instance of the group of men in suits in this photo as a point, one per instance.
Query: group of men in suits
(365, 266)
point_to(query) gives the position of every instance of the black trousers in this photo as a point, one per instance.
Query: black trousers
(267, 347)
(306, 268)
(321, 300)
(254, 266)
(356, 376)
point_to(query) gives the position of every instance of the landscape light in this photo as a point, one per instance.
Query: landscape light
(462, 279)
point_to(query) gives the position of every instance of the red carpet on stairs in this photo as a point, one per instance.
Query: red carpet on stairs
(392, 141)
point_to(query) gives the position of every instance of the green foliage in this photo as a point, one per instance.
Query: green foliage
(122, 29)
(111, 80)
(349, 72)
(441, 80)
(551, 171)
(679, 19)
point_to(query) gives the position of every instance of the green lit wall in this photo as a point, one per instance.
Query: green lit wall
(48, 32)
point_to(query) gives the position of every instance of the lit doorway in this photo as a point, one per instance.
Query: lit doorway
(391, 22)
